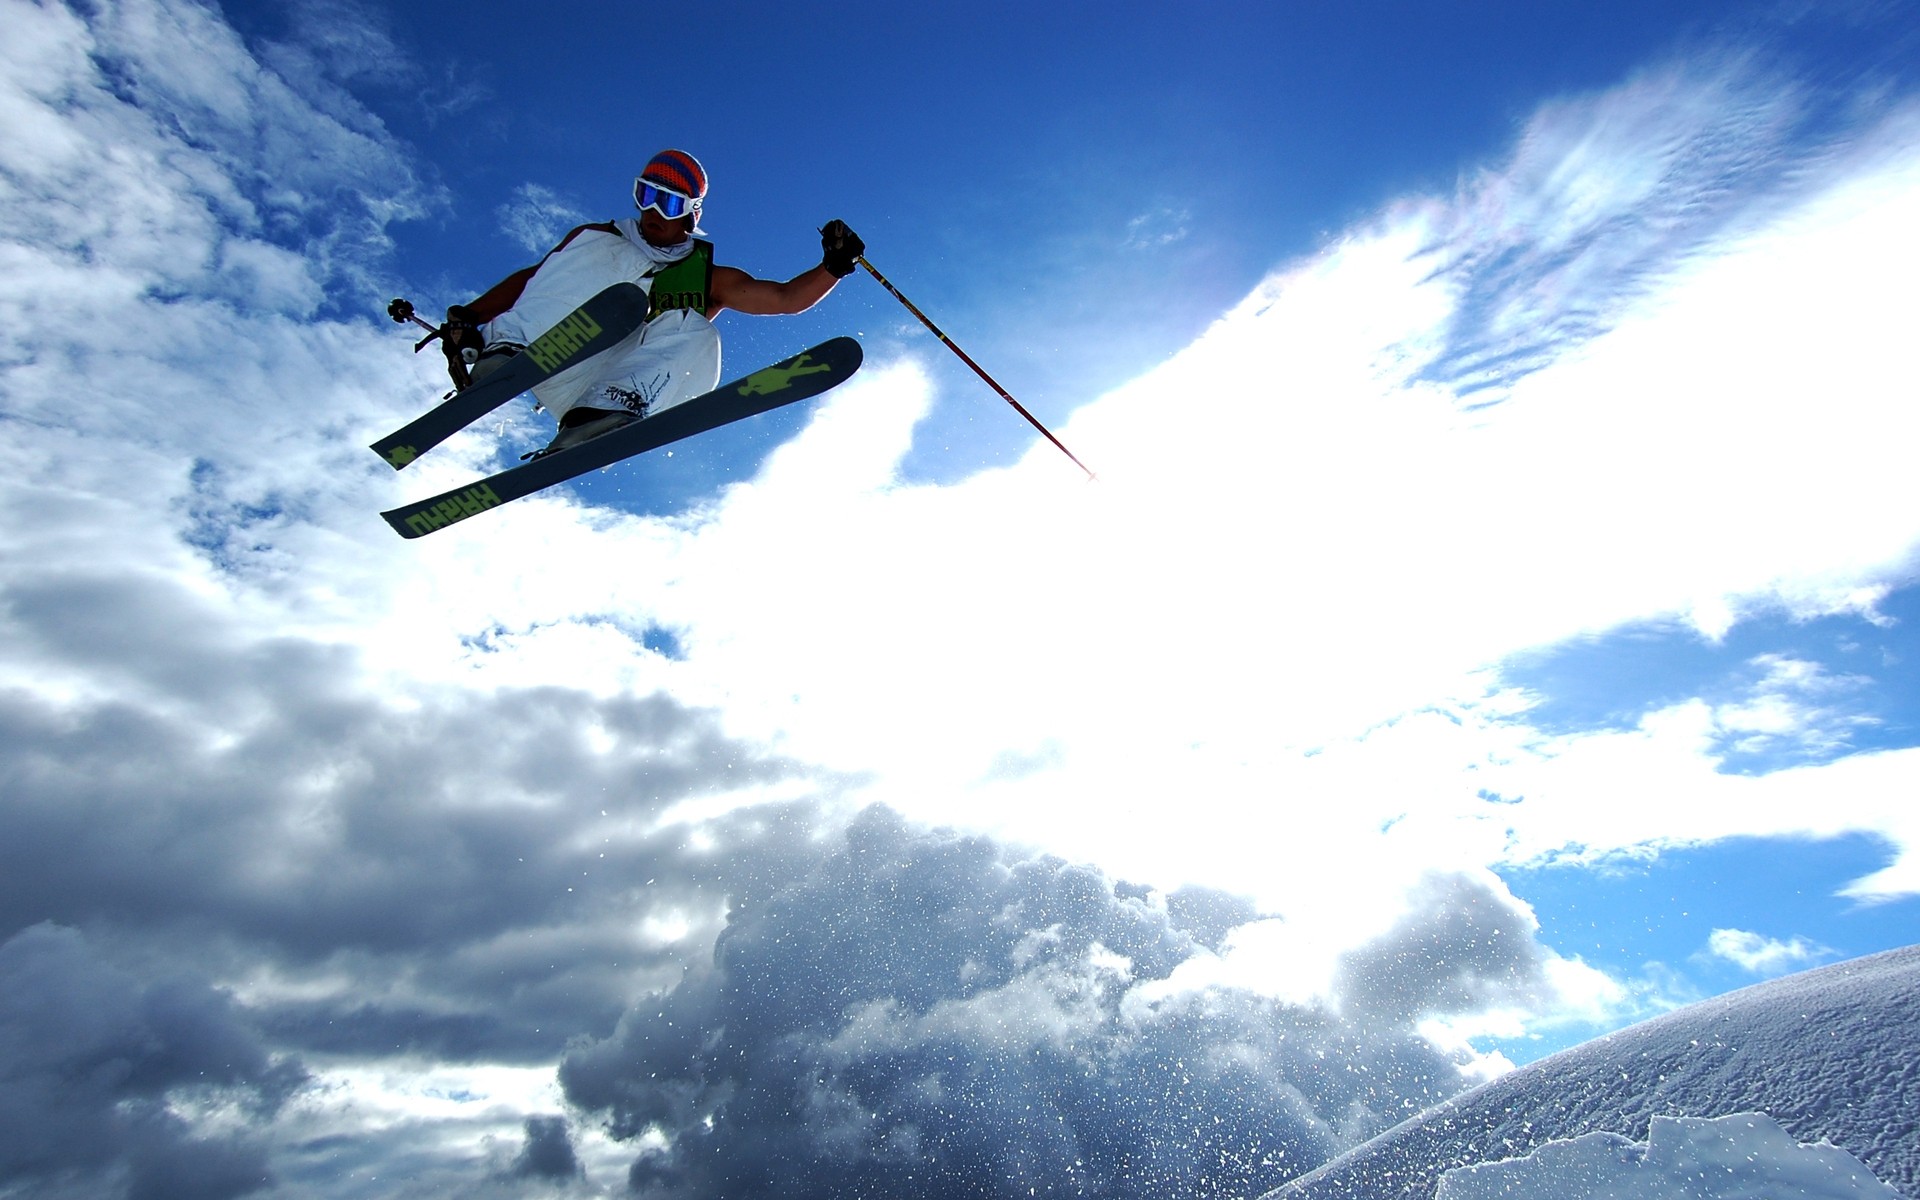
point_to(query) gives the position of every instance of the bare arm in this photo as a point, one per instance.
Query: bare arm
(735, 289)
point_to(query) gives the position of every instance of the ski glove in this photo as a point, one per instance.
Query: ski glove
(460, 340)
(840, 247)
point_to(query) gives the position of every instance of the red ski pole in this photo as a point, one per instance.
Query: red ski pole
(1004, 394)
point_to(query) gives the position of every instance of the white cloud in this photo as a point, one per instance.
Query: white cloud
(1273, 614)
(1764, 955)
(1796, 708)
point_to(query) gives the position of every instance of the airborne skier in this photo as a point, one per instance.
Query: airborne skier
(615, 325)
(674, 355)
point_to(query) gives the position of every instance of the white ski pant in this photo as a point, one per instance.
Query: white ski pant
(674, 357)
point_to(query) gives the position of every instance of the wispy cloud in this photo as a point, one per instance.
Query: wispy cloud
(1796, 711)
(1606, 198)
(1161, 227)
(537, 218)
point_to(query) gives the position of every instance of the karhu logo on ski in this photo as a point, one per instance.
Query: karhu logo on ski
(458, 507)
(780, 378)
(400, 456)
(554, 347)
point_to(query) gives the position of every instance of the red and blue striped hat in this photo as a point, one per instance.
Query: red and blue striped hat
(678, 171)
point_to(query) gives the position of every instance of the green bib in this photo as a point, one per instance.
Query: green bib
(684, 284)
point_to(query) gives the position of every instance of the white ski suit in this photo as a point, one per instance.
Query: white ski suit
(675, 356)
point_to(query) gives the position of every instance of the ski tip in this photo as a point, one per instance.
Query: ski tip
(845, 353)
(397, 457)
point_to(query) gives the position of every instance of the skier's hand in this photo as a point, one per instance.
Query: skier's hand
(461, 342)
(839, 248)
(462, 331)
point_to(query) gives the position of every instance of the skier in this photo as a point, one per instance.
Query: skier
(675, 355)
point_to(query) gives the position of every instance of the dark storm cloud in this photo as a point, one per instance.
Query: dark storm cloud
(925, 1013)
(477, 863)
(468, 878)
(91, 1057)
(548, 1153)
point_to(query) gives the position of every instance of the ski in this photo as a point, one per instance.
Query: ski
(805, 375)
(597, 325)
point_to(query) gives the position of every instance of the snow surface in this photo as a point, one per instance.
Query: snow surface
(1829, 1055)
(1745, 1156)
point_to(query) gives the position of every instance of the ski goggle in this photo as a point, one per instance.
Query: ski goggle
(669, 204)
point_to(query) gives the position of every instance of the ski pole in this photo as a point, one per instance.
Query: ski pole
(1004, 394)
(401, 311)
(459, 358)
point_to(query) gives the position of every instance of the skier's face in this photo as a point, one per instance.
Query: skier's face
(661, 232)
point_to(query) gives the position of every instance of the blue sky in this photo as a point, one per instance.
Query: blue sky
(1493, 624)
(991, 177)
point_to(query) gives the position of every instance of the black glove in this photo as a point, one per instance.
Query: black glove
(461, 342)
(839, 247)
(462, 331)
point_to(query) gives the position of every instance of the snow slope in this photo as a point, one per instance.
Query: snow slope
(1831, 1054)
